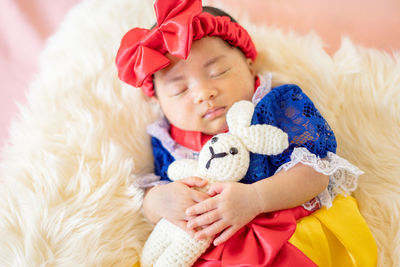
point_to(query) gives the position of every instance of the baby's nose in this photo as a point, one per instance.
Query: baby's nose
(204, 92)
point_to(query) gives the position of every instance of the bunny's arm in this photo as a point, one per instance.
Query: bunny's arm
(181, 169)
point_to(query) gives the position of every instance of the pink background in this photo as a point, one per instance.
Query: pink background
(25, 25)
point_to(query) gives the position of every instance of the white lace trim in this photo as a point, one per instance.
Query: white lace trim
(343, 176)
(146, 180)
(264, 88)
(160, 130)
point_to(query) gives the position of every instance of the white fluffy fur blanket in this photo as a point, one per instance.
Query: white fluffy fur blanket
(66, 194)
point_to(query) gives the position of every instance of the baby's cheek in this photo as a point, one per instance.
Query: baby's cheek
(185, 120)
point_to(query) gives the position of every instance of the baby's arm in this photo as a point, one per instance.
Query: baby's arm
(171, 200)
(236, 204)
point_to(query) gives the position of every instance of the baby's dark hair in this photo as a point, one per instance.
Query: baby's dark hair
(213, 11)
(217, 12)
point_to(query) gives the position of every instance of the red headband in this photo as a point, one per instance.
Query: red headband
(179, 22)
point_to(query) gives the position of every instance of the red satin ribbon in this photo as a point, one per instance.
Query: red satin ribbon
(190, 139)
(179, 22)
(262, 242)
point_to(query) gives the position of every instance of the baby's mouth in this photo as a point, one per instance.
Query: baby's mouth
(214, 113)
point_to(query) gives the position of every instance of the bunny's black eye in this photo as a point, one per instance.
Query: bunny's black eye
(214, 140)
(233, 150)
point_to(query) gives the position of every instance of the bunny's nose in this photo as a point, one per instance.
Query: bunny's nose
(214, 156)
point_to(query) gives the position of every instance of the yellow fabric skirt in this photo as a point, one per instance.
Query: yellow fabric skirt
(335, 237)
(338, 236)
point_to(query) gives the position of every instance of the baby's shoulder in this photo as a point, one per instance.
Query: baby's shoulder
(282, 101)
(282, 95)
(284, 91)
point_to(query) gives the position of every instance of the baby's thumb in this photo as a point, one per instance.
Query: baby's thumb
(215, 189)
(193, 181)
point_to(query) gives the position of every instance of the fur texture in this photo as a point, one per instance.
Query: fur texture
(66, 194)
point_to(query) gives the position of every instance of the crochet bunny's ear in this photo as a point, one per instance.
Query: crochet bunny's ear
(183, 168)
(264, 139)
(260, 138)
(239, 116)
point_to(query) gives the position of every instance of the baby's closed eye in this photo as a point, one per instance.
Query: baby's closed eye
(219, 73)
(180, 90)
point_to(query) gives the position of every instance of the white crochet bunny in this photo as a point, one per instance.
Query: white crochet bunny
(224, 158)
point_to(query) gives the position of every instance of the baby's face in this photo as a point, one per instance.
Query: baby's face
(195, 94)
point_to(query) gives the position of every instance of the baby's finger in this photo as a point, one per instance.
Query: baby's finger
(193, 181)
(198, 196)
(202, 207)
(211, 230)
(216, 188)
(188, 218)
(225, 235)
(204, 219)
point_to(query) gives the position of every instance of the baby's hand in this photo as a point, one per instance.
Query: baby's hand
(232, 206)
(170, 201)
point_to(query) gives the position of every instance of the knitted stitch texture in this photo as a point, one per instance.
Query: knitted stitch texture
(225, 157)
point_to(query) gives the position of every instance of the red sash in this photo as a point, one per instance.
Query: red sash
(262, 242)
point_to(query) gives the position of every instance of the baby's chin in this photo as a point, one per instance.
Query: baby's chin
(216, 129)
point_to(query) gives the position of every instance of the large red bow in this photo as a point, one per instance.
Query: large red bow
(179, 22)
(262, 242)
(142, 51)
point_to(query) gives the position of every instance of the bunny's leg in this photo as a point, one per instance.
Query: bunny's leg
(156, 244)
(183, 251)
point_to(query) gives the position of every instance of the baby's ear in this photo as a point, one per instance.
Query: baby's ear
(181, 169)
